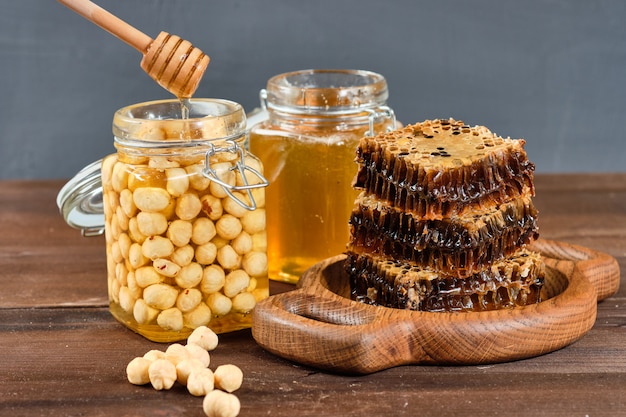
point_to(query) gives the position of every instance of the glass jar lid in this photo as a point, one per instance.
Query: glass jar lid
(80, 201)
(319, 91)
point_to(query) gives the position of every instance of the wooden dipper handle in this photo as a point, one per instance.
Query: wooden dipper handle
(110, 23)
(172, 62)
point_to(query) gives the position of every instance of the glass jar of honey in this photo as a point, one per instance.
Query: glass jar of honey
(184, 214)
(307, 144)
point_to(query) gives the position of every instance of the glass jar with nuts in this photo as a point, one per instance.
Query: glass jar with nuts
(184, 211)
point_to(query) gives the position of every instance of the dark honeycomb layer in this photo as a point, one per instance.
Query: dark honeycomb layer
(376, 280)
(458, 246)
(439, 168)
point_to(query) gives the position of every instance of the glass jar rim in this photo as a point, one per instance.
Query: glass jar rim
(208, 119)
(325, 91)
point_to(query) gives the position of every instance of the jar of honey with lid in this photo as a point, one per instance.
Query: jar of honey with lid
(315, 119)
(184, 219)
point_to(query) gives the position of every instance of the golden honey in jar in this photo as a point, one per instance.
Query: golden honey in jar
(184, 211)
(308, 148)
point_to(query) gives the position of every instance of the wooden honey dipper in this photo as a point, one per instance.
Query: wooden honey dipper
(172, 62)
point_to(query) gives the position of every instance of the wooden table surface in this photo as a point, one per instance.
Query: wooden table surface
(62, 353)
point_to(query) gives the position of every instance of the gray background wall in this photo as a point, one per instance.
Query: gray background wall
(550, 71)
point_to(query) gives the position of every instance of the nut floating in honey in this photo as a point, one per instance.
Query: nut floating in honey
(172, 62)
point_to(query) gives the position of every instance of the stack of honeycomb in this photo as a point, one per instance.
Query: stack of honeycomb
(443, 220)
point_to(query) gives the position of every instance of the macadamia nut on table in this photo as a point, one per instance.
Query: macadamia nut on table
(188, 365)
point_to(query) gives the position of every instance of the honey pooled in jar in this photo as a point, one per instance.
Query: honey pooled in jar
(307, 214)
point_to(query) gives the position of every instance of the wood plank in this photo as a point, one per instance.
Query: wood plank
(572, 182)
(73, 359)
(44, 261)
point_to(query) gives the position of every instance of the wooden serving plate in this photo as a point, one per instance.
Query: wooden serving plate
(318, 325)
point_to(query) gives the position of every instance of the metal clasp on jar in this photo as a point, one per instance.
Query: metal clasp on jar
(377, 113)
(240, 165)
